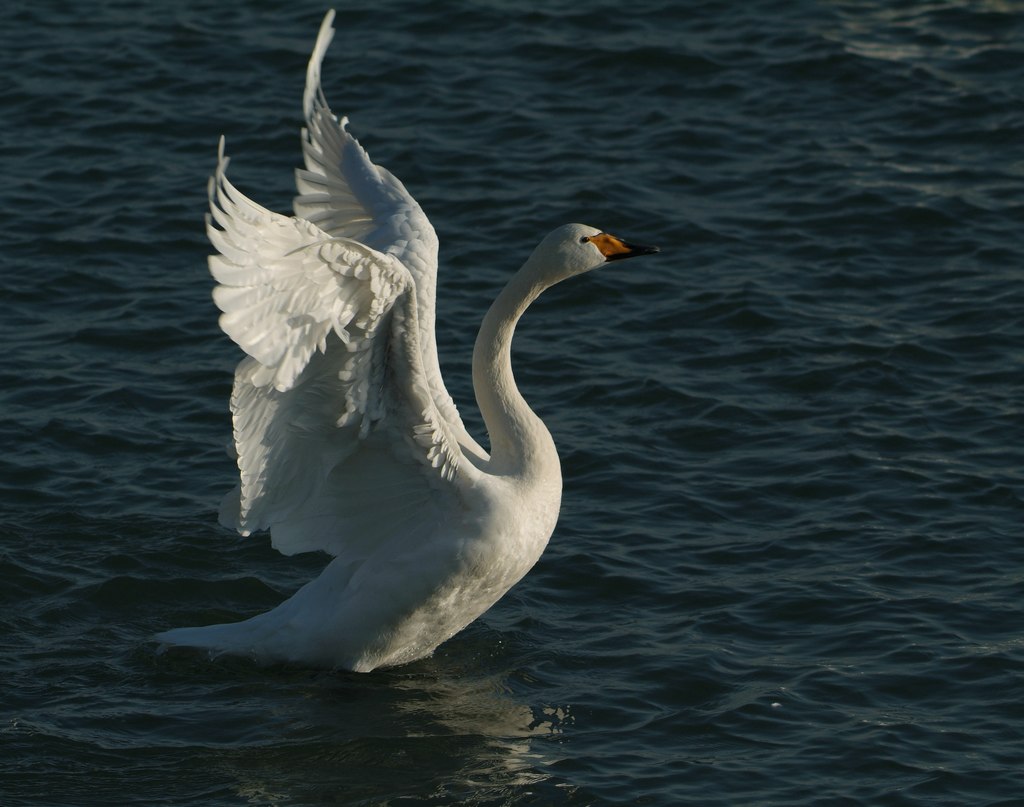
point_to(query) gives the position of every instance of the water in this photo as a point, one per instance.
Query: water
(789, 568)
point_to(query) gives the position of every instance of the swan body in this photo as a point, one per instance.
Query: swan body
(347, 441)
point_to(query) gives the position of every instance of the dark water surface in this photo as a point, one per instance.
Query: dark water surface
(790, 566)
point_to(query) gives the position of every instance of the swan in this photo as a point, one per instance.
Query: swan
(347, 441)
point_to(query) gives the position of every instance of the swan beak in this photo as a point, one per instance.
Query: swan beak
(614, 248)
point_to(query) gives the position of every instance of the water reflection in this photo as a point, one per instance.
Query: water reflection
(925, 33)
(434, 730)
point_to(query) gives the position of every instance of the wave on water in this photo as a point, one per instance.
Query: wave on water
(788, 565)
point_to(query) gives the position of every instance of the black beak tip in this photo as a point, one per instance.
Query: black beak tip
(642, 249)
(632, 250)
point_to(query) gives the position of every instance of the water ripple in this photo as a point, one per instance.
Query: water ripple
(787, 569)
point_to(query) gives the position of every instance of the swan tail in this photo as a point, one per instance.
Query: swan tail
(235, 638)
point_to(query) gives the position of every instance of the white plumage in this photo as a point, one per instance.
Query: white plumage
(347, 441)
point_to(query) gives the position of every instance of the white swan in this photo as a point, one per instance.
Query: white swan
(347, 440)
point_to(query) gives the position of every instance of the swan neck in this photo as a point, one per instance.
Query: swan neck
(520, 443)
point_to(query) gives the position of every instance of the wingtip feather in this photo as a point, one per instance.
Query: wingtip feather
(323, 41)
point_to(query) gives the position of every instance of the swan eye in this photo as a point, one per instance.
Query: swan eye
(584, 239)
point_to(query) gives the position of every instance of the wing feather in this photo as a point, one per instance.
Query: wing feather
(333, 387)
(345, 194)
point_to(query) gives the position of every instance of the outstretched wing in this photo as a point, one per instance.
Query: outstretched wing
(345, 194)
(333, 391)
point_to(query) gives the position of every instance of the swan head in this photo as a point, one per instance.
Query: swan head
(573, 249)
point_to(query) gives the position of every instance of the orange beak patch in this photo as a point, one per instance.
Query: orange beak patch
(614, 248)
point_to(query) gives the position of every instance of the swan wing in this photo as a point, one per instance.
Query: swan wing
(345, 194)
(339, 442)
